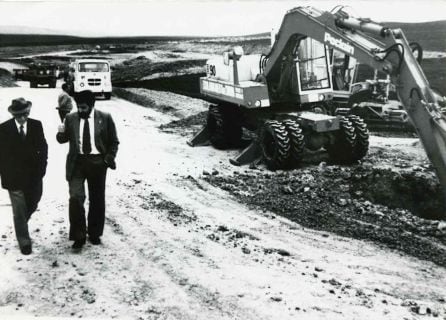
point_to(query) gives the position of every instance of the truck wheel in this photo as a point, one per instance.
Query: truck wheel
(224, 130)
(319, 109)
(53, 84)
(275, 144)
(342, 149)
(362, 137)
(107, 95)
(297, 142)
(33, 84)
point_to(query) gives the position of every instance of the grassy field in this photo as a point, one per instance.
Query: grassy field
(430, 35)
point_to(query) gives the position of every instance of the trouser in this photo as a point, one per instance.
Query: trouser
(92, 169)
(24, 203)
(63, 114)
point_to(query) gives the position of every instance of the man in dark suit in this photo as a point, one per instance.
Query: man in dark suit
(23, 160)
(93, 147)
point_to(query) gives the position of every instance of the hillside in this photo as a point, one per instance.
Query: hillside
(430, 35)
(45, 39)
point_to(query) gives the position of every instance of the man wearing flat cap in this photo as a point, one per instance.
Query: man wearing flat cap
(93, 147)
(23, 161)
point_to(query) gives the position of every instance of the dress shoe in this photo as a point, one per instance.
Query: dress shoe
(26, 249)
(95, 241)
(78, 244)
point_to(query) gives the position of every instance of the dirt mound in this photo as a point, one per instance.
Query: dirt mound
(345, 201)
(136, 69)
(188, 122)
(6, 79)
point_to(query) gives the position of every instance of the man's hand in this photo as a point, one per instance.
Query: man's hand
(110, 161)
(61, 128)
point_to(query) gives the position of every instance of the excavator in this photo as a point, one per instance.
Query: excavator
(279, 96)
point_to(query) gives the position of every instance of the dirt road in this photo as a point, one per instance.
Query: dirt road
(176, 247)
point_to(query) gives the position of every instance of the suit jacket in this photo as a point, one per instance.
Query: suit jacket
(22, 162)
(105, 139)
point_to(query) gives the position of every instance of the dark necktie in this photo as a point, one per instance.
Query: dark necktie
(22, 132)
(86, 145)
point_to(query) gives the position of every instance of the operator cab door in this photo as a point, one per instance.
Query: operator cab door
(344, 75)
(313, 72)
(344, 69)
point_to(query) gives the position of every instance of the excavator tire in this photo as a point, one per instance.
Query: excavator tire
(275, 144)
(297, 143)
(224, 131)
(343, 148)
(362, 137)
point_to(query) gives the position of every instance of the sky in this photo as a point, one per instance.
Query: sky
(207, 18)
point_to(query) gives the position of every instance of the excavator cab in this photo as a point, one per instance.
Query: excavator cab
(313, 72)
(303, 79)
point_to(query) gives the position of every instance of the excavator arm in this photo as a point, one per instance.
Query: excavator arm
(383, 49)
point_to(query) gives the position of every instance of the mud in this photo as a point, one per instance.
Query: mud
(360, 202)
(177, 126)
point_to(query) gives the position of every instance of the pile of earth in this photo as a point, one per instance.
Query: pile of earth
(6, 79)
(360, 201)
(138, 68)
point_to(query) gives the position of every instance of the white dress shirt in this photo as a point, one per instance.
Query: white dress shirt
(25, 127)
(94, 150)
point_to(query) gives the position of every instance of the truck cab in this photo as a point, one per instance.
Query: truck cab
(91, 74)
(39, 74)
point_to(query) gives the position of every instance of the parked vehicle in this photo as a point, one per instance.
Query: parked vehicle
(38, 74)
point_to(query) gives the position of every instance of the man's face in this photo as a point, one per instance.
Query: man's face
(22, 117)
(84, 110)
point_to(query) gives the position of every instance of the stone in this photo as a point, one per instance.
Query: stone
(441, 226)
(287, 190)
(246, 250)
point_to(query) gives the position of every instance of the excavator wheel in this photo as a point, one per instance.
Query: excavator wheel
(224, 131)
(275, 144)
(362, 137)
(342, 150)
(297, 143)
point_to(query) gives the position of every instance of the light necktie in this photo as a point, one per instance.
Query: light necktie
(86, 145)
